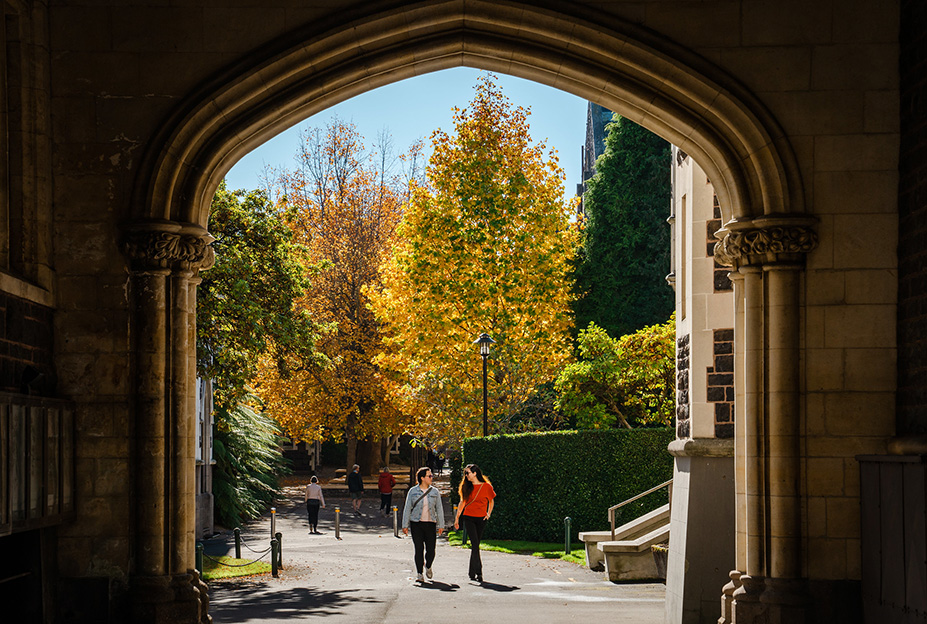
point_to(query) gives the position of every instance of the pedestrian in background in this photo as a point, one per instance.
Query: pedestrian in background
(424, 515)
(386, 484)
(315, 500)
(356, 488)
(477, 500)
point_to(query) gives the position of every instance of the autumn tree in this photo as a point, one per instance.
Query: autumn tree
(621, 272)
(245, 302)
(484, 246)
(245, 311)
(621, 382)
(342, 204)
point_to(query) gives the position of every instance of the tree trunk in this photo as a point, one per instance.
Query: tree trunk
(388, 443)
(350, 437)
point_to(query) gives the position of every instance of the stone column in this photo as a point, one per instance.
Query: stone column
(164, 258)
(768, 253)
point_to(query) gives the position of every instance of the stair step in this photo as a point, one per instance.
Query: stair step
(631, 530)
(644, 542)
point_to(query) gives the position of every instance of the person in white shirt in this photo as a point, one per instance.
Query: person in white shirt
(314, 501)
(424, 514)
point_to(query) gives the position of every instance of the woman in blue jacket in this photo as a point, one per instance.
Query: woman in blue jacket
(424, 513)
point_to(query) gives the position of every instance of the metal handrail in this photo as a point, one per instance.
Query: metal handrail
(613, 508)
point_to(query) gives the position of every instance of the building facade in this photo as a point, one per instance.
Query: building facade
(118, 120)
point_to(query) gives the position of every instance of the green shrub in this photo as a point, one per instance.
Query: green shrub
(540, 478)
(249, 464)
(453, 461)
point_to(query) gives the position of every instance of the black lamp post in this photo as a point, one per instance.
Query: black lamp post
(484, 341)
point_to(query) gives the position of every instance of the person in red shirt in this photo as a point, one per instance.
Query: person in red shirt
(386, 484)
(477, 499)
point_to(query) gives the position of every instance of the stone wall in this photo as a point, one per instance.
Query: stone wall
(912, 207)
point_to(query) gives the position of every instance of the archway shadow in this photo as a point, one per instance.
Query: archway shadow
(248, 602)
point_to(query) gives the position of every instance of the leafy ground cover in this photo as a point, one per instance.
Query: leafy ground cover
(547, 550)
(213, 570)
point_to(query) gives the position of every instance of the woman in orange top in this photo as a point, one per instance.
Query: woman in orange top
(477, 496)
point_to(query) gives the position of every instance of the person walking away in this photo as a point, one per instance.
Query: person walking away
(356, 488)
(477, 498)
(315, 500)
(386, 484)
(423, 514)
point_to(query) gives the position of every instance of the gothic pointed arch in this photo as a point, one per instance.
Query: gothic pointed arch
(664, 87)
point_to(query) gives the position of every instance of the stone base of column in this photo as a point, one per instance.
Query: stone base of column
(176, 599)
(746, 607)
(727, 598)
(791, 601)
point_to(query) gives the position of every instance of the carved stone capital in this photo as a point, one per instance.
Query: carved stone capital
(771, 243)
(167, 247)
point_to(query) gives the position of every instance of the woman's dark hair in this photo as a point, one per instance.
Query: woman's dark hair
(466, 488)
(314, 479)
(420, 474)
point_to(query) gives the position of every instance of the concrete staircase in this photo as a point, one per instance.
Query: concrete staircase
(628, 556)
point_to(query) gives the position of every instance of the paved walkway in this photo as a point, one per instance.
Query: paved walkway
(367, 576)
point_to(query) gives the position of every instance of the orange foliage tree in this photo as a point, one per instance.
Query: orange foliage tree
(343, 206)
(484, 246)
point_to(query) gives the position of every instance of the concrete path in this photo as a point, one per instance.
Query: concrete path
(367, 576)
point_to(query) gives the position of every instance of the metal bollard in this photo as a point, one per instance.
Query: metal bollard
(273, 558)
(273, 522)
(337, 522)
(567, 534)
(199, 558)
(237, 543)
(395, 521)
(279, 537)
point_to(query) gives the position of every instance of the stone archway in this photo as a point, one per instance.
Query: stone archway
(652, 81)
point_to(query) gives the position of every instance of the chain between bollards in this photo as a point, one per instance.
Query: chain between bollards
(273, 558)
(567, 535)
(337, 522)
(237, 543)
(279, 537)
(396, 522)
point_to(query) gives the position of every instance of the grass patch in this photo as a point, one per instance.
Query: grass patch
(213, 570)
(547, 550)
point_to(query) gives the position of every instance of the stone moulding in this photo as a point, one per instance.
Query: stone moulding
(702, 447)
(159, 248)
(764, 245)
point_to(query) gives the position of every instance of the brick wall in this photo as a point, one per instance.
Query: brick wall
(683, 428)
(26, 347)
(912, 208)
(721, 383)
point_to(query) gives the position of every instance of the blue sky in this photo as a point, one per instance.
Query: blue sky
(413, 108)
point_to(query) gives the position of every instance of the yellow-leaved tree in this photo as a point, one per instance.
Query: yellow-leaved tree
(484, 245)
(343, 205)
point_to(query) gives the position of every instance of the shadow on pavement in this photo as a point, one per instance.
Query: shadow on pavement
(499, 588)
(439, 586)
(252, 603)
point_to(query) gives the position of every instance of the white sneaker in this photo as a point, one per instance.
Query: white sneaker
(429, 573)
(420, 578)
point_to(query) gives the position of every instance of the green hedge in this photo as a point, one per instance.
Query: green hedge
(540, 478)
